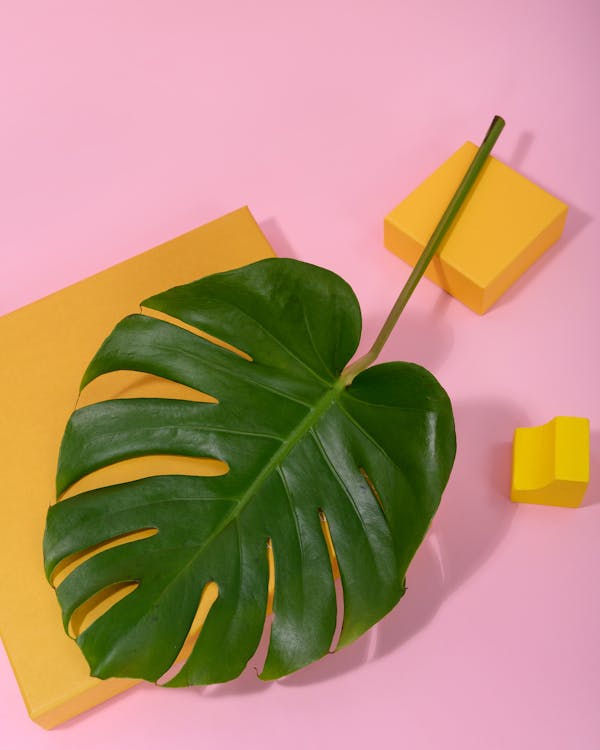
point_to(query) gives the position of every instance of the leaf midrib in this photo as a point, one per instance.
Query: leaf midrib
(329, 397)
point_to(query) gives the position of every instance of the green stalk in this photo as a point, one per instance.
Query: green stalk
(430, 250)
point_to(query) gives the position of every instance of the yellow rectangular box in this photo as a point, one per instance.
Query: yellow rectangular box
(505, 225)
(46, 347)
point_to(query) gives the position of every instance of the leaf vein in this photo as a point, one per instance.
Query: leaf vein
(370, 438)
(288, 495)
(274, 338)
(322, 450)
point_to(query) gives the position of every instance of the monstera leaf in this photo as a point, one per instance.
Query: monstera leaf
(302, 446)
(330, 467)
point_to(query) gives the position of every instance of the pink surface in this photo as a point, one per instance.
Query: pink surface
(126, 123)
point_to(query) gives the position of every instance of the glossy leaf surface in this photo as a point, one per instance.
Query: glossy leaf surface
(372, 459)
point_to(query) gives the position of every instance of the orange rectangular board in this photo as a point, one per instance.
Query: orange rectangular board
(46, 347)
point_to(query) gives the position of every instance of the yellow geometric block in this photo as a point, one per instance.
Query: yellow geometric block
(505, 225)
(551, 463)
(45, 349)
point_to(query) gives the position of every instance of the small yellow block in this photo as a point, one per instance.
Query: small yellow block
(551, 463)
(506, 224)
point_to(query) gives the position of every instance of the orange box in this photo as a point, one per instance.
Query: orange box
(46, 347)
(506, 224)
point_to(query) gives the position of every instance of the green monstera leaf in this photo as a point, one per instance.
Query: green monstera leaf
(372, 458)
(319, 453)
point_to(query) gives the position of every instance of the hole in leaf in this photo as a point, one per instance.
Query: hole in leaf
(260, 655)
(337, 581)
(97, 605)
(68, 564)
(339, 621)
(198, 331)
(132, 384)
(271, 589)
(146, 466)
(372, 488)
(329, 542)
(209, 596)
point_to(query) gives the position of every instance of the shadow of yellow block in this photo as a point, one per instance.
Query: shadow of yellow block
(506, 224)
(551, 463)
(46, 347)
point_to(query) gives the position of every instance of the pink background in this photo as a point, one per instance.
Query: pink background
(127, 122)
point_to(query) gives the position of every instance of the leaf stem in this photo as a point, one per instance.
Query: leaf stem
(431, 248)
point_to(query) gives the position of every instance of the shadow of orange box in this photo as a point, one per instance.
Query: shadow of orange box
(46, 348)
(506, 224)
